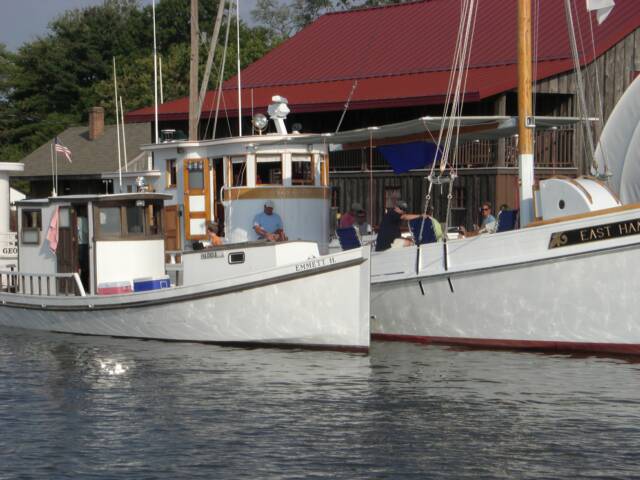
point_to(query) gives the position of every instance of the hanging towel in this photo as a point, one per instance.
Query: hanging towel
(52, 233)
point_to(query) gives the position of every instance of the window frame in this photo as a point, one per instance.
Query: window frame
(258, 160)
(172, 173)
(309, 158)
(37, 228)
(124, 233)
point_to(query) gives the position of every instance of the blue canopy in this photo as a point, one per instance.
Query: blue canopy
(406, 156)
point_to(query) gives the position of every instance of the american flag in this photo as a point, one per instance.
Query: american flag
(62, 149)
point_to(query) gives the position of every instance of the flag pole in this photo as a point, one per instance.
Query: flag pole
(53, 174)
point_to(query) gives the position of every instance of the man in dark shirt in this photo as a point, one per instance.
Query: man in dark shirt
(390, 226)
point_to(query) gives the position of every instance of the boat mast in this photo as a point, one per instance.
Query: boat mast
(525, 114)
(238, 60)
(155, 74)
(193, 74)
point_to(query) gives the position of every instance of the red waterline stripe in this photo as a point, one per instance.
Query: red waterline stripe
(541, 345)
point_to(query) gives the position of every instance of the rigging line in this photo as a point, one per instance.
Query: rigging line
(536, 44)
(224, 61)
(464, 89)
(599, 100)
(346, 105)
(457, 101)
(214, 97)
(580, 87)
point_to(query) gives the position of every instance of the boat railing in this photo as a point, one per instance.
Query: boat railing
(42, 284)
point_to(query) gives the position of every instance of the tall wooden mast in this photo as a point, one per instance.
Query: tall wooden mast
(525, 113)
(193, 73)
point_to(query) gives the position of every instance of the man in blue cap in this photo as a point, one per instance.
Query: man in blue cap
(268, 225)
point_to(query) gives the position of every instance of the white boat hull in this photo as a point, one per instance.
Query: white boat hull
(513, 290)
(323, 304)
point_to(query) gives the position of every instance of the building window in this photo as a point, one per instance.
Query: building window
(31, 226)
(268, 170)
(238, 171)
(172, 173)
(301, 170)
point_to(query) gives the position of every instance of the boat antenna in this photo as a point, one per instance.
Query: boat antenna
(115, 101)
(160, 75)
(124, 137)
(239, 80)
(155, 72)
(346, 105)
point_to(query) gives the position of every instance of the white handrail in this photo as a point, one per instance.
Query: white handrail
(20, 285)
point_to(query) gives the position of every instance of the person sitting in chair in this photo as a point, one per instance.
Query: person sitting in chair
(488, 223)
(213, 239)
(268, 225)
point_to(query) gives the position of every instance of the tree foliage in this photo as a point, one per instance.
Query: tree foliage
(51, 82)
(286, 17)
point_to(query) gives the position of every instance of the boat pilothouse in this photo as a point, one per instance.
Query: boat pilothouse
(229, 180)
(89, 244)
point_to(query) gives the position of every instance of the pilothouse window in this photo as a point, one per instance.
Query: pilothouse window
(135, 220)
(268, 170)
(301, 170)
(110, 221)
(238, 172)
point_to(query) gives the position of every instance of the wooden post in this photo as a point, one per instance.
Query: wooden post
(193, 73)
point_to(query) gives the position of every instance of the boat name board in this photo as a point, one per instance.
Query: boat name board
(315, 263)
(595, 233)
(214, 254)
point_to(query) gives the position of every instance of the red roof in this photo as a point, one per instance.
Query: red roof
(401, 55)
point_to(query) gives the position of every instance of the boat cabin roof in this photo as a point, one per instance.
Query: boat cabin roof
(112, 197)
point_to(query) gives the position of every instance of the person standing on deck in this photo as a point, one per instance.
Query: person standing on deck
(390, 225)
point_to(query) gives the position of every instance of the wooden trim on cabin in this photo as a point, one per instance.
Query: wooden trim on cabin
(205, 191)
(250, 193)
(606, 211)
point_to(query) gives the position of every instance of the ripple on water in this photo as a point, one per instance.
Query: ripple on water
(74, 407)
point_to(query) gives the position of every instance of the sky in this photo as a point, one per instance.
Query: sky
(23, 20)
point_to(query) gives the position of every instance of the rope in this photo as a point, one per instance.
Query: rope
(582, 104)
(599, 101)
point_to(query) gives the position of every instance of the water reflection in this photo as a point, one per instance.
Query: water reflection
(85, 406)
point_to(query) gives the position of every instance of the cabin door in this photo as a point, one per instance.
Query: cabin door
(67, 251)
(171, 228)
(197, 198)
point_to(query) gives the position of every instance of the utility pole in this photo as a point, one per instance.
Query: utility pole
(193, 74)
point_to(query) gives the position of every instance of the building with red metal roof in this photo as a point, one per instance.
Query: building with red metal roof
(400, 56)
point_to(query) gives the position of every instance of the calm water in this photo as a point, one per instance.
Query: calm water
(83, 407)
